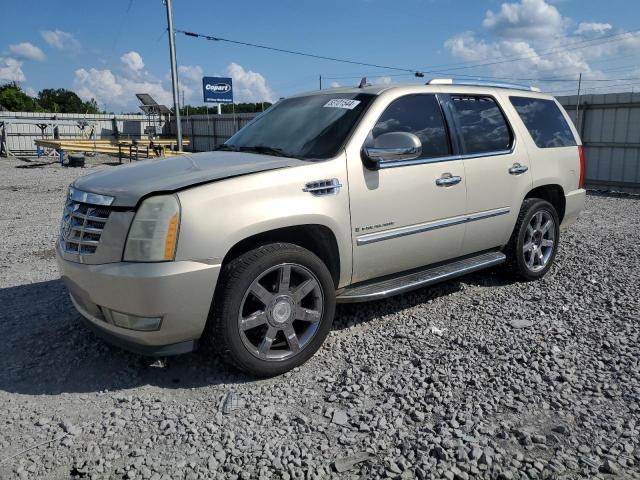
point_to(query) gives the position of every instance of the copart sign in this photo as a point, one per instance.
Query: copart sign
(217, 89)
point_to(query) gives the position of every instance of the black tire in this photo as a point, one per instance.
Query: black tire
(236, 284)
(518, 262)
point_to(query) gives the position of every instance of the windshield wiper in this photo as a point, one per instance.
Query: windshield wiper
(264, 149)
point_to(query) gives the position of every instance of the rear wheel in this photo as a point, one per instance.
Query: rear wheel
(534, 241)
(274, 309)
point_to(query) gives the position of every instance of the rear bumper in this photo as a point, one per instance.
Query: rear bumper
(179, 292)
(574, 204)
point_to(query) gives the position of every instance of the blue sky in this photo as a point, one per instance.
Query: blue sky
(111, 50)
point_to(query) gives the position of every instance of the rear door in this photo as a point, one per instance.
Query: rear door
(496, 167)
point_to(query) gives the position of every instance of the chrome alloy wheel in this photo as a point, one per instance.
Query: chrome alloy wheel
(539, 241)
(281, 312)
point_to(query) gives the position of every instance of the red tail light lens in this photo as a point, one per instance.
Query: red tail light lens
(581, 154)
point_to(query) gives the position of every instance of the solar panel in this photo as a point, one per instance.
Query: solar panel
(164, 109)
(146, 99)
(155, 109)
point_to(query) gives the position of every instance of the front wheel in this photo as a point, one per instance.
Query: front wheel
(273, 310)
(534, 242)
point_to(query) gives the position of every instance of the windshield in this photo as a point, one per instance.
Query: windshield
(313, 127)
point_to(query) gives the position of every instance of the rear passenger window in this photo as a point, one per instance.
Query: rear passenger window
(420, 115)
(545, 122)
(482, 125)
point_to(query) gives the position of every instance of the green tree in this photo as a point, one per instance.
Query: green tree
(13, 98)
(226, 108)
(60, 100)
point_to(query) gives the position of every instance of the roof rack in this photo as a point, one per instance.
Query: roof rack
(481, 83)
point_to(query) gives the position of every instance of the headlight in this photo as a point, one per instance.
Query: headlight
(154, 232)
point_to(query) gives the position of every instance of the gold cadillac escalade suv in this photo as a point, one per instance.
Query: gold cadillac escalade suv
(342, 195)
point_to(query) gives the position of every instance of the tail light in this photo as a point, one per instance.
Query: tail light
(581, 154)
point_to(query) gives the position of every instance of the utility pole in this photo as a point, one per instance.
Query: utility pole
(578, 103)
(174, 72)
(320, 82)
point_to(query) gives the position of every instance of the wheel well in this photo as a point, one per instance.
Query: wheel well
(315, 238)
(552, 194)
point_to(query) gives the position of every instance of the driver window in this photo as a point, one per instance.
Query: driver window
(420, 115)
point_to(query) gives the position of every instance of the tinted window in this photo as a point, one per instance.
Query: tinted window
(420, 115)
(482, 125)
(545, 122)
(309, 127)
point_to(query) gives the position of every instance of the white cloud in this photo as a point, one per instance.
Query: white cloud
(531, 39)
(132, 60)
(334, 84)
(469, 47)
(525, 20)
(190, 73)
(26, 51)
(31, 91)
(249, 86)
(11, 70)
(60, 40)
(98, 84)
(190, 82)
(593, 28)
(115, 90)
(383, 81)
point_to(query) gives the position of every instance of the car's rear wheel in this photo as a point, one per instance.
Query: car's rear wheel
(273, 310)
(534, 242)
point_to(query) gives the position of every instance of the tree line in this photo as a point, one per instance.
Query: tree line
(226, 108)
(56, 100)
(59, 100)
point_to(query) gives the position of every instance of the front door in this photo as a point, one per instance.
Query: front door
(411, 213)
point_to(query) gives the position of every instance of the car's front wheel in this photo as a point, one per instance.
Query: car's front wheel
(273, 310)
(534, 242)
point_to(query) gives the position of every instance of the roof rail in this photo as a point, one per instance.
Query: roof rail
(481, 83)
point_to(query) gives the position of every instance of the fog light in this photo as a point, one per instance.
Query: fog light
(134, 322)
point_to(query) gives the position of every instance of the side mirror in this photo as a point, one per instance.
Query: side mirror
(390, 147)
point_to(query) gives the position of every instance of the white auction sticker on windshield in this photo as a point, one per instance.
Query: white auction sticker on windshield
(342, 103)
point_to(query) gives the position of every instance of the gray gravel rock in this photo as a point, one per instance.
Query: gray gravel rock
(347, 463)
(438, 383)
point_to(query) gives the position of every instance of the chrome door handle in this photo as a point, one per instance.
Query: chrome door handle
(447, 180)
(517, 169)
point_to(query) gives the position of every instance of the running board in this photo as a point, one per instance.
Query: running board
(377, 289)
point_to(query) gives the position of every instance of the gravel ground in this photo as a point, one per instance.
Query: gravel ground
(480, 377)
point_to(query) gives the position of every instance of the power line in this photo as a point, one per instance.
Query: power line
(357, 75)
(574, 46)
(598, 88)
(294, 52)
(487, 77)
(421, 72)
(543, 53)
(431, 69)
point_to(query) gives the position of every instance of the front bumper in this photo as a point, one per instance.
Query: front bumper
(180, 292)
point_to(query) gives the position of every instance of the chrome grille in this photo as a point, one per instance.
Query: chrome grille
(82, 226)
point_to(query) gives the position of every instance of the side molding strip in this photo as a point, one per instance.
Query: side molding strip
(425, 227)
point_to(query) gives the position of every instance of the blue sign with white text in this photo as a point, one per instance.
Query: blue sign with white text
(217, 89)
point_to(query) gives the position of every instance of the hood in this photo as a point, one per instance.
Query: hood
(129, 183)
